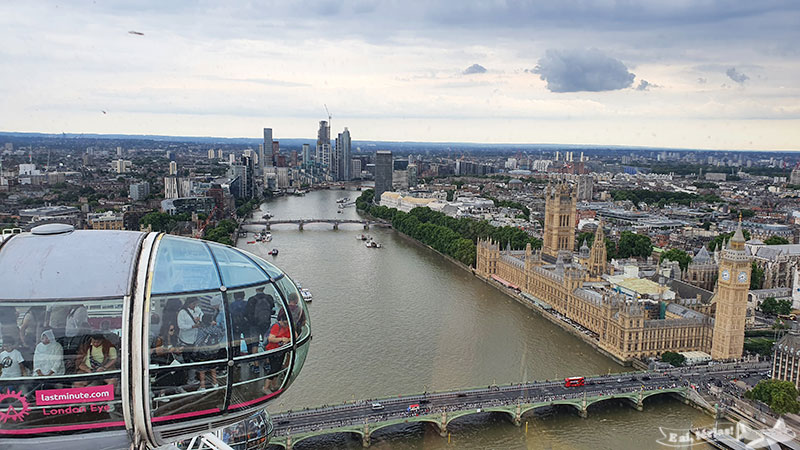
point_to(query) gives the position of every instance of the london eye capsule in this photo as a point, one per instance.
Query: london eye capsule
(119, 339)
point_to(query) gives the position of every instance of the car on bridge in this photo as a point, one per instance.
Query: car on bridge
(377, 406)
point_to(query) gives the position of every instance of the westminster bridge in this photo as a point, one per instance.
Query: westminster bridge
(362, 418)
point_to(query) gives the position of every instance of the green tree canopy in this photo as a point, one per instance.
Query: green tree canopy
(676, 359)
(756, 276)
(762, 346)
(632, 244)
(776, 240)
(675, 254)
(781, 396)
(587, 236)
(454, 237)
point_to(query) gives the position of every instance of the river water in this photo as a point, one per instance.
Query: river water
(401, 319)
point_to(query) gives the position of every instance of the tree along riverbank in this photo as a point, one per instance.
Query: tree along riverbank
(456, 238)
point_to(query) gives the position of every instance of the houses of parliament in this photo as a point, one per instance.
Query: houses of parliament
(576, 285)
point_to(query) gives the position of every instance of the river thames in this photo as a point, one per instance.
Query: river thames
(401, 319)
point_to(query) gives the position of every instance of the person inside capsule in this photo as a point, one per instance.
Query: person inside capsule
(204, 355)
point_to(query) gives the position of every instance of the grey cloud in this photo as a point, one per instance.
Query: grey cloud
(582, 70)
(702, 80)
(645, 85)
(475, 68)
(736, 76)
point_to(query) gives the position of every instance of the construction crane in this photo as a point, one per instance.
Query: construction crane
(329, 114)
(202, 228)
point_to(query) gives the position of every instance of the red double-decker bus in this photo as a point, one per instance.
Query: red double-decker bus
(573, 381)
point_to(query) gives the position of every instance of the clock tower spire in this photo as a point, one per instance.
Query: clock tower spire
(731, 299)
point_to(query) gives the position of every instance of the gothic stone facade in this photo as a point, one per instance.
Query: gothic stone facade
(627, 329)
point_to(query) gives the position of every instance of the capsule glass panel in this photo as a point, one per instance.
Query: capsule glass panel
(299, 360)
(260, 344)
(236, 269)
(188, 355)
(297, 307)
(60, 366)
(183, 265)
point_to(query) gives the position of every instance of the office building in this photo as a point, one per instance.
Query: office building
(383, 173)
(343, 152)
(323, 150)
(355, 169)
(139, 191)
(306, 155)
(265, 148)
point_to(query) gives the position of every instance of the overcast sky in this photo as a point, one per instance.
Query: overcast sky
(679, 73)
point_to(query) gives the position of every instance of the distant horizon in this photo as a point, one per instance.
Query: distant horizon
(197, 138)
(714, 75)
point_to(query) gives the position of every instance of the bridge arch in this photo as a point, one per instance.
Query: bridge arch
(353, 433)
(509, 412)
(427, 419)
(679, 392)
(527, 409)
(631, 398)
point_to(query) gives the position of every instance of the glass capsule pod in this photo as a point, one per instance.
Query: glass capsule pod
(119, 339)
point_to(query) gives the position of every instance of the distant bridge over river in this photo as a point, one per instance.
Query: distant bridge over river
(302, 222)
(513, 401)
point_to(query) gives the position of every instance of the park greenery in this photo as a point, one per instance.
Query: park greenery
(163, 222)
(780, 396)
(453, 237)
(674, 358)
(662, 198)
(222, 232)
(629, 245)
(244, 209)
(705, 185)
(756, 276)
(675, 254)
(762, 346)
(776, 240)
(772, 306)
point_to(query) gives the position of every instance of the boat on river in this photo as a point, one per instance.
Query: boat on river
(372, 244)
(273, 252)
(306, 295)
(363, 238)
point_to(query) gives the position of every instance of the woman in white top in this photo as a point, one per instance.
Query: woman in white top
(48, 359)
(190, 318)
(77, 323)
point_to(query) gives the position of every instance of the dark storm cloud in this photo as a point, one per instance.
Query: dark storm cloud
(582, 70)
(736, 76)
(475, 68)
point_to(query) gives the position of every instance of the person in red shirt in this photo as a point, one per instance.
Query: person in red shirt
(279, 336)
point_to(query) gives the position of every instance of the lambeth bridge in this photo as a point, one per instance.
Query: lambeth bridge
(301, 222)
(512, 401)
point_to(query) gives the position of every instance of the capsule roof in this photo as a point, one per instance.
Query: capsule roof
(34, 266)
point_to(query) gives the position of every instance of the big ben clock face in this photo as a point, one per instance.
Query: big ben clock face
(726, 275)
(742, 277)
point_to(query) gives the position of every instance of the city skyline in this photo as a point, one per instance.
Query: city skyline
(720, 75)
